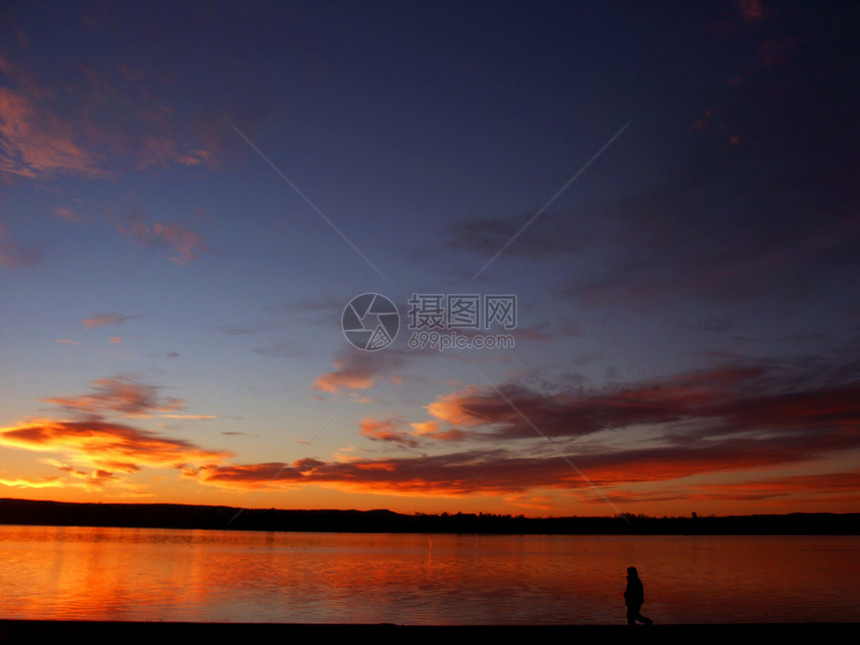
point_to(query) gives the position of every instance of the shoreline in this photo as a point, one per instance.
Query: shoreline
(23, 512)
(15, 629)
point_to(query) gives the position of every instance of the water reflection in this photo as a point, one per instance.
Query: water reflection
(152, 574)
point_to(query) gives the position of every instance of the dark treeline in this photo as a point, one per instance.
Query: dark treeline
(180, 516)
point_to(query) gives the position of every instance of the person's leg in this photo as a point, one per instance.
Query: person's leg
(642, 619)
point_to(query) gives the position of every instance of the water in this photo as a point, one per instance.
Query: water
(225, 576)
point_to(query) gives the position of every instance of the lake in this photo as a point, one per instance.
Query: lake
(242, 576)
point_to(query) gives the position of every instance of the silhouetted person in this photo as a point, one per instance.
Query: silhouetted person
(634, 596)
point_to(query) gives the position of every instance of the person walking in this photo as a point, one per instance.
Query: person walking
(634, 597)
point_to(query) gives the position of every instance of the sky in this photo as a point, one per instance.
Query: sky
(538, 258)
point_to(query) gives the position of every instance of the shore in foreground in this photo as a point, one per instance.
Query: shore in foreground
(15, 630)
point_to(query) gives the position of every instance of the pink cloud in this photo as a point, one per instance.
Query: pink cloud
(35, 142)
(67, 215)
(183, 241)
(122, 121)
(105, 319)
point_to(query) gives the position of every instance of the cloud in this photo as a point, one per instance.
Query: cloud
(119, 121)
(536, 332)
(357, 370)
(789, 487)
(735, 419)
(729, 400)
(27, 482)
(107, 447)
(243, 330)
(119, 394)
(777, 51)
(245, 477)
(92, 479)
(66, 341)
(466, 473)
(387, 430)
(180, 239)
(282, 349)
(67, 215)
(395, 431)
(501, 472)
(184, 243)
(771, 216)
(431, 430)
(751, 10)
(344, 377)
(485, 236)
(12, 256)
(787, 491)
(95, 449)
(106, 319)
(36, 141)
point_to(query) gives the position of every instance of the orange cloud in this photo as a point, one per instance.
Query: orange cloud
(453, 409)
(447, 475)
(728, 420)
(107, 447)
(391, 430)
(355, 370)
(498, 472)
(26, 482)
(245, 477)
(431, 429)
(387, 430)
(105, 319)
(334, 382)
(843, 483)
(350, 375)
(837, 490)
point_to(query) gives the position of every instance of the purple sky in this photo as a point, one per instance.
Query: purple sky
(192, 192)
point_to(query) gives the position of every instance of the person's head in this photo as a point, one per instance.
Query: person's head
(631, 571)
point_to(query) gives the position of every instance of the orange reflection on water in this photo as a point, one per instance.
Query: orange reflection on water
(153, 574)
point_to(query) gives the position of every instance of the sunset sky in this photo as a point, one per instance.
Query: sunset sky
(192, 192)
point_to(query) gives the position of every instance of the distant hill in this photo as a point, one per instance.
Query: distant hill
(182, 516)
